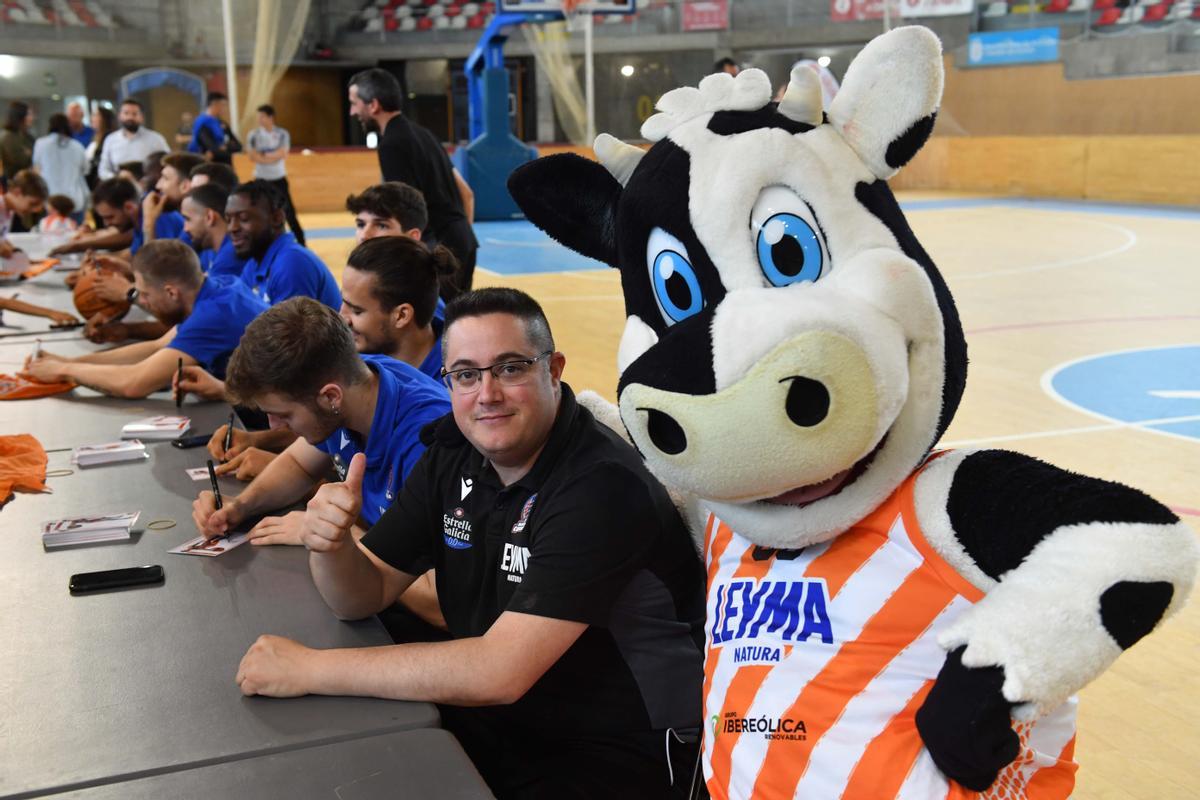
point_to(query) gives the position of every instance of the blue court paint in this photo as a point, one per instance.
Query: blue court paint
(1159, 383)
(1074, 207)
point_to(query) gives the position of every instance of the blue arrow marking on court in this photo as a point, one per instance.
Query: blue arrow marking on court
(1158, 385)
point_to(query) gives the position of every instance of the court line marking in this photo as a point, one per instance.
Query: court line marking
(1019, 326)
(1131, 240)
(1112, 425)
(1047, 381)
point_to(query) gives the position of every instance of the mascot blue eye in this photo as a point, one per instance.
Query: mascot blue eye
(676, 287)
(789, 250)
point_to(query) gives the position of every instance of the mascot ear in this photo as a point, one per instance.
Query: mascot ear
(573, 200)
(887, 104)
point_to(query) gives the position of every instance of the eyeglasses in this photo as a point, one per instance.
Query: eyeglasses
(508, 373)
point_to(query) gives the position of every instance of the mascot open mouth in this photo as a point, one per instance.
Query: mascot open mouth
(806, 495)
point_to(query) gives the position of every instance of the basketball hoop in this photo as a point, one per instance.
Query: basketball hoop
(573, 11)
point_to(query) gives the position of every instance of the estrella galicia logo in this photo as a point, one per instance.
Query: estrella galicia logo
(524, 517)
(339, 466)
(783, 728)
(456, 529)
(390, 491)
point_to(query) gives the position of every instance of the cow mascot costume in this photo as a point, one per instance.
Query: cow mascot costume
(884, 620)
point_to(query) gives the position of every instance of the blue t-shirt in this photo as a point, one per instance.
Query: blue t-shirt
(214, 126)
(432, 365)
(289, 269)
(407, 401)
(169, 225)
(223, 309)
(84, 135)
(222, 261)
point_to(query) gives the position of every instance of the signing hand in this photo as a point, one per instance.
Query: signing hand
(279, 530)
(200, 383)
(333, 510)
(102, 329)
(275, 667)
(48, 368)
(212, 521)
(111, 286)
(216, 445)
(247, 465)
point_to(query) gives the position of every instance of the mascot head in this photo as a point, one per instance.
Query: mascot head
(790, 352)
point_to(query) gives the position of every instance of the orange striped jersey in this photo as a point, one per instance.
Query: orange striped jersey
(818, 660)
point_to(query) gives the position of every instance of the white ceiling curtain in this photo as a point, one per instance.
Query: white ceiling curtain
(277, 35)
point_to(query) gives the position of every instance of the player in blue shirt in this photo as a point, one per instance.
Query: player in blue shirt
(160, 208)
(203, 210)
(298, 364)
(206, 317)
(277, 268)
(211, 135)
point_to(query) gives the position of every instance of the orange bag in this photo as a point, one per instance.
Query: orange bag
(15, 387)
(22, 465)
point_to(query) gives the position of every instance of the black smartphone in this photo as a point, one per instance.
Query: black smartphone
(116, 579)
(184, 442)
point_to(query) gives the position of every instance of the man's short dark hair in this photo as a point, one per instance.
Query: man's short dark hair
(723, 63)
(392, 200)
(62, 205)
(378, 84)
(214, 97)
(405, 271)
(183, 163)
(258, 190)
(269, 110)
(293, 349)
(30, 184)
(129, 101)
(211, 196)
(134, 168)
(115, 192)
(168, 261)
(221, 174)
(498, 300)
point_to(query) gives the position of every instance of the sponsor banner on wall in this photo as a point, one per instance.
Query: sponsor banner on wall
(855, 10)
(1022, 46)
(706, 15)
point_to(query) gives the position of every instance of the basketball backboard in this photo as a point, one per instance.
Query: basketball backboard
(546, 6)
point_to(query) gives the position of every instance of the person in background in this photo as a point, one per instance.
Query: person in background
(211, 135)
(276, 266)
(220, 174)
(388, 209)
(62, 162)
(80, 131)
(60, 216)
(105, 122)
(728, 66)
(133, 142)
(16, 141)
(203, 210)
(410, 154)
(132, 171)
(205, 317)
(24, 195)
(183, 134)
(268, 146)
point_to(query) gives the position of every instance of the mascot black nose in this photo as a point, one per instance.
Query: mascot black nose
(665, 432)
(807, 401)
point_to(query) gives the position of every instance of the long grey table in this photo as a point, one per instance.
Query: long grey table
(97, 689)
(415, 764)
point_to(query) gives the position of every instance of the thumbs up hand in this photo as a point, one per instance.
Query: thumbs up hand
(334, 509)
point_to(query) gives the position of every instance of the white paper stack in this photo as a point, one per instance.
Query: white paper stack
(91, 455)
(157, 428)
(86, 530)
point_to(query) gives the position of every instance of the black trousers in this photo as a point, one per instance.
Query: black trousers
(460, 240)
(289, 209)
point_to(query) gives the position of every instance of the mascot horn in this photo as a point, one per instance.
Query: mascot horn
(884, 620)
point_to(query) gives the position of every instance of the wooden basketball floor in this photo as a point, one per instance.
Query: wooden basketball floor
(1083, 327)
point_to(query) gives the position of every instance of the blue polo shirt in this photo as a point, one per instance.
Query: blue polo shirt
(432, 365)
(214, 126)
(223, 309)
(84, 135)
(222, 261)
(289, 269)
(407, 401)
(169, 225)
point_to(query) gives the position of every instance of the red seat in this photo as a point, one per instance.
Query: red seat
(1100, 5)
(476, 22)
(424, 23)
(453, 11)
(1057, 6)
(1108, 17)
(1156, 12)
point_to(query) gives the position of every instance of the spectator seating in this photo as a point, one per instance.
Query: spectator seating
(65, 13)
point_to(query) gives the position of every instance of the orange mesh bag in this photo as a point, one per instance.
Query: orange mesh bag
(22, 465)
(16, 387)
(89, 304)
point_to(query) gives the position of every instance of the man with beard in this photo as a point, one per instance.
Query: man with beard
(298, 364)
(206, 316)
(132, 143)
(160, 207)
(277, 268)
(410, 154)
(203, 210)
(115, 202)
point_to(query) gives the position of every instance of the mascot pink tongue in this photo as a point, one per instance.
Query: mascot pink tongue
(872, 631)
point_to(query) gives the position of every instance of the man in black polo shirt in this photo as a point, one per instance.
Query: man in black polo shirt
(410, 154)
(568, 582)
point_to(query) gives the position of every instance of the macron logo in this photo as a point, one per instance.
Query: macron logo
(467, 483)
(345, 441)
